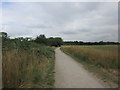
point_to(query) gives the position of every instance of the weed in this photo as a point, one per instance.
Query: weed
(28, 67)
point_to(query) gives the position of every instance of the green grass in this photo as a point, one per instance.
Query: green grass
(102, 59)
(29, 66)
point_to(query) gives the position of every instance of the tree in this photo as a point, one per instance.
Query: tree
(4, 34)
(41, 39)
(55, 41)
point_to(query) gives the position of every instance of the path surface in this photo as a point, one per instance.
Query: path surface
(71, 74)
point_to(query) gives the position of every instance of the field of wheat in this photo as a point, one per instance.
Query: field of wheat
(105, 56)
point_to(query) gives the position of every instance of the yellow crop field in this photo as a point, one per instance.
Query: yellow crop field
(105, 56)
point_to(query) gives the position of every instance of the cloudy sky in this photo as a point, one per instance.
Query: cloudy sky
(86, 21)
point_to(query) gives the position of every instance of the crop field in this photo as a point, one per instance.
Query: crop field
(104, 57)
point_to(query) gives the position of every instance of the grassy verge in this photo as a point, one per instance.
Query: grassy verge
(28, 66)
(103, 63)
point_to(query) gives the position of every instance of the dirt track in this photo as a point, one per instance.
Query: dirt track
(71, 74)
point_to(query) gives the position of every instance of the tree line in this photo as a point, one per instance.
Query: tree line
(89, 43)
(57, 41)
(51, 41)
(41, 39)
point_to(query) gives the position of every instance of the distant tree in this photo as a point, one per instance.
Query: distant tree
(76, 42)
(55, 41)
(41, 39)
(59, 41)
(50, 41)
(81, 43)
(5, 39)
(101, 42)
(4, 34)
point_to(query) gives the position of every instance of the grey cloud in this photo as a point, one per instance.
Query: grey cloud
(68, 32)
(39, 26)
(84, 30)
(72, 21)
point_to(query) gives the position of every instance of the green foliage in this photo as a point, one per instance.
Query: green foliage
(41, 39)
(27, 64)
(4, 34)
(55, 41)
(89, 43)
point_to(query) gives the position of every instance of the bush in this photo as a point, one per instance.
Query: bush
(27, 64)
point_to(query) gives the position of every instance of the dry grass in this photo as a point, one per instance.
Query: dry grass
(31, 68)
(100, 57)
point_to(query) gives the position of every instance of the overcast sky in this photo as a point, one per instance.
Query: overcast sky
(87, 21)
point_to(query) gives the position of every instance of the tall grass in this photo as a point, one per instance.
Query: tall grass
(28, 67)
(98, 56)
